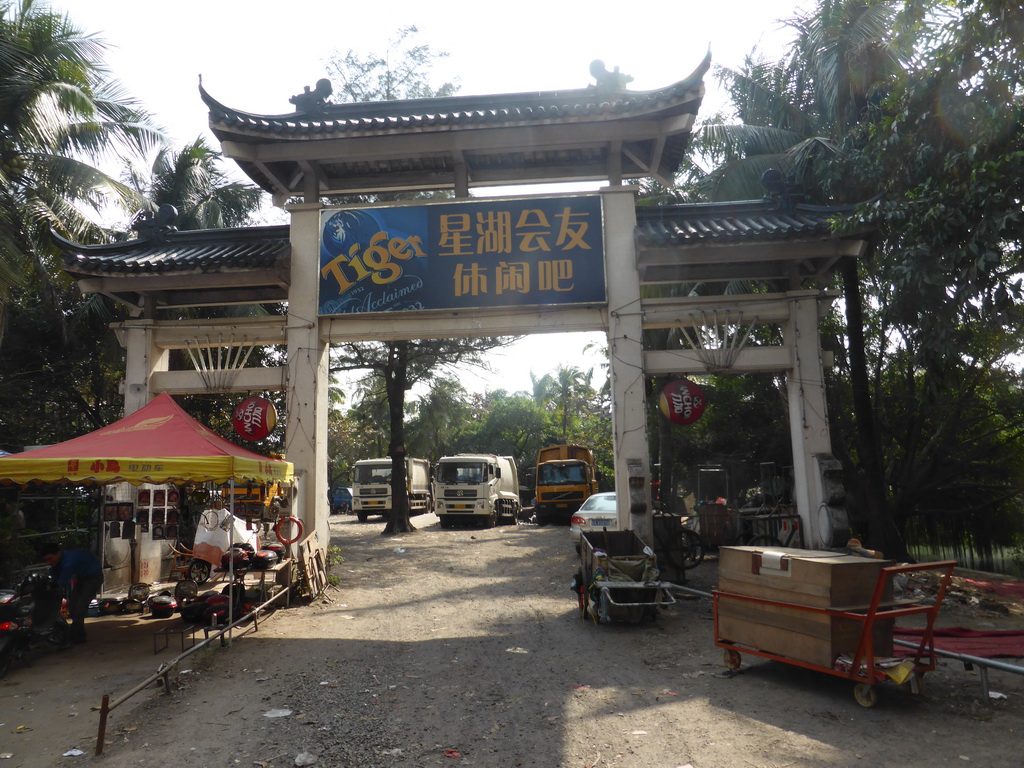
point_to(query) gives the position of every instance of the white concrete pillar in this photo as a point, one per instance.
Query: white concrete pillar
(625, 344)
(808, 414)
(306, 425)
(142, 359)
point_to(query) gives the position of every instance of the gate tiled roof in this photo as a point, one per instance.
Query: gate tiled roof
(593, 133)
(243, 265)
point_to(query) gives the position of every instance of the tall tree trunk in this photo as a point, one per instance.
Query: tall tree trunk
(883, 533)
(395, 383)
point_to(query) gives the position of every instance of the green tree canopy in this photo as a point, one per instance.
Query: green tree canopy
(60, 113)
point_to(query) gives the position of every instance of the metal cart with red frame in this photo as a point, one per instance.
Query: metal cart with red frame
(862, 666)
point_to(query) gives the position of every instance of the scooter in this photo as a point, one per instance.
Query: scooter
(30, 618)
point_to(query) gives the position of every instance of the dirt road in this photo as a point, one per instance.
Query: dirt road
(465, 648)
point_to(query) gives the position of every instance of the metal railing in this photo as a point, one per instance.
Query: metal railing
(164, 670)
(984, 665)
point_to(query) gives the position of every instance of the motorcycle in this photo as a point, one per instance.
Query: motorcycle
(31, 618)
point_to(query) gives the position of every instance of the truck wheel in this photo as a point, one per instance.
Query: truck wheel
(446, 522)
(491, 521)
(361, 516)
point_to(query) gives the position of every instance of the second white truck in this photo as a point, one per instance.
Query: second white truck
(371, 487)
(476, 487)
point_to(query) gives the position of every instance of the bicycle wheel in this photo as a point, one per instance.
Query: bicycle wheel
(692, 550)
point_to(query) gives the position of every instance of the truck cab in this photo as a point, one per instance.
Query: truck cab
(371, 487)
(566, 477)
(479, 488)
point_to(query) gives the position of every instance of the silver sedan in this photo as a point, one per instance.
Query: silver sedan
(598, 513)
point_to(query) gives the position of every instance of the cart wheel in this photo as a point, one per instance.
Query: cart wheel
(693, 549)
(865, 694)
(732, 659)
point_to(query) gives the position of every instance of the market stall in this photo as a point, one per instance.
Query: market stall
(143, 459)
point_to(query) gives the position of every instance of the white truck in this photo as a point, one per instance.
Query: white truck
(478, 487)
(371, 487)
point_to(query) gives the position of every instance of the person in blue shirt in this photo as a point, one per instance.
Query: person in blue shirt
(81, 571)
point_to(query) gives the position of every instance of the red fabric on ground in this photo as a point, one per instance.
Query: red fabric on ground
(1003, 588)
(985, 645)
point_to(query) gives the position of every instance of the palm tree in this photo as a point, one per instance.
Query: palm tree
(192, 181)
(572, 393)
(795, 113)
(59, 114)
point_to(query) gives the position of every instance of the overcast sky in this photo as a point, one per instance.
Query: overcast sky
(253, 55)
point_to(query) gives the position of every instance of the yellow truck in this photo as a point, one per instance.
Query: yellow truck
(566, 477)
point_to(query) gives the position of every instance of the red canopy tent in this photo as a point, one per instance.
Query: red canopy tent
(159, 443)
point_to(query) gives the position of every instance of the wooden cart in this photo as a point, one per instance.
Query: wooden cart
(756, 625)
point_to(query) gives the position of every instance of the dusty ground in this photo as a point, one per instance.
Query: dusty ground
(465, 647)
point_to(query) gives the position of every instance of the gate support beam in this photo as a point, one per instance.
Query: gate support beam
(808, 420)
(308, 374)
(625, 347)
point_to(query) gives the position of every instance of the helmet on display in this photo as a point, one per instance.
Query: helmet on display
(139, 591)
(264, 558)
(162, 606)
(239, 558)
(133, 606)
(186, 591)
(110, 606)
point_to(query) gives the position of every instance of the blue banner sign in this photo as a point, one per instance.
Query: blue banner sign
(462, 255)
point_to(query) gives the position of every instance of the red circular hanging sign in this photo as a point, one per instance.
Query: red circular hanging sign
(681, 401)
(255, 418)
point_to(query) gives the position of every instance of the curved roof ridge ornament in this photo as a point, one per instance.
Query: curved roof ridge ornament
(313, 101)
(608, 81)
(784, 191)
(156, 226)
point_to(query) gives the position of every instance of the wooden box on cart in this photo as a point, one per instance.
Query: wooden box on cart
(820, 580)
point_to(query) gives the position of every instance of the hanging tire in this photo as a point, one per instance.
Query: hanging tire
(198, 571)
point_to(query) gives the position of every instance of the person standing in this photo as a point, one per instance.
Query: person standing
(82, 571)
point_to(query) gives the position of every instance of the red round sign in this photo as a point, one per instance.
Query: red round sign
(255, 418)
(681, 401)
